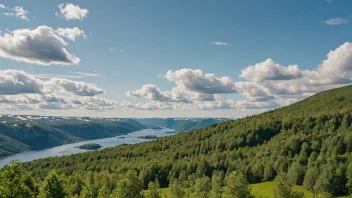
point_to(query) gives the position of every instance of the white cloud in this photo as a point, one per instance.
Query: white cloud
(17, 11)
(72, 12)
(195, 96)
(219, 43)
(268, 70)
(71, 33)
(17, 82)
(197, 81)
(151, 92)
(268, 84)
(83, 74)
(337, 21)
(8, 14)
(42, 46)
(74, 87)
(213, 105)
(21, 13)
(56, 102)
(153, 106)
(245, 104)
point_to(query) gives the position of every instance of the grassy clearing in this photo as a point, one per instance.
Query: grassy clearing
(264, 189)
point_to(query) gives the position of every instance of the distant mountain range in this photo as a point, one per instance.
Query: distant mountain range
(181, 124)
(20, 133)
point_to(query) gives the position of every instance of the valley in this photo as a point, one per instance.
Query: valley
(307, 143)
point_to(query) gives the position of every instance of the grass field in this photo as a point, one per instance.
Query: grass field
(264, 189)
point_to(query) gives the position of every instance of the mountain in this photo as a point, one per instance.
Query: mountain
(181, 124)
(23, 133)
(308, 143)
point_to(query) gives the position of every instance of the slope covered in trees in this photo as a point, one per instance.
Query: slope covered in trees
(308, 143)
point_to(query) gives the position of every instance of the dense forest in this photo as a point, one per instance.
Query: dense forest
(308, 143)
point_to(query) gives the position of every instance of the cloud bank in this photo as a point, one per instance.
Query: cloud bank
(265, 84)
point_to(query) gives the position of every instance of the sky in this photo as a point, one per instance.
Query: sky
(170, 58)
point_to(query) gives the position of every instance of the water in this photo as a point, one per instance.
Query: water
(69, 149)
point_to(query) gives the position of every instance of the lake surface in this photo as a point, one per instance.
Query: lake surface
(69, 149)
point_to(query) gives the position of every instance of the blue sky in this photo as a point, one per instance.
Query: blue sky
(128, 44)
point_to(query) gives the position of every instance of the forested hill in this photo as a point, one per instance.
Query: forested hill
(308, 143)
(181, 124)
(23, 133)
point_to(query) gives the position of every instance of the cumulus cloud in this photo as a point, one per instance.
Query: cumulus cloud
(337, 21)
(153, 106)
(268, 70)
(267, 85)
(42, 46)
(14, 82)
(202, 97)
(56, 102)
(74, 87)
(213, 105)
(17, 82)
(246, 104)
(151, 92)
(197, 81)
(71, 33)
(336, 68)
(72, 12)
(22, 91)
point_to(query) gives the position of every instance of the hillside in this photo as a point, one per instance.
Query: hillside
(309, 142)
(181, 124)
(23, 133)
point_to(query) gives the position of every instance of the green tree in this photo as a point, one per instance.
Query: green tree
(154, 190)
(295, 173)
(284, 189)
(269, 172)
(202, 187)
(12, 182)
(75, 185)
(104, 192)
(238, 186)
(176, 189)
(216, 185)
(310, 178)
(53, 186)
(349, 178)
(128, 185)
(88, 192)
